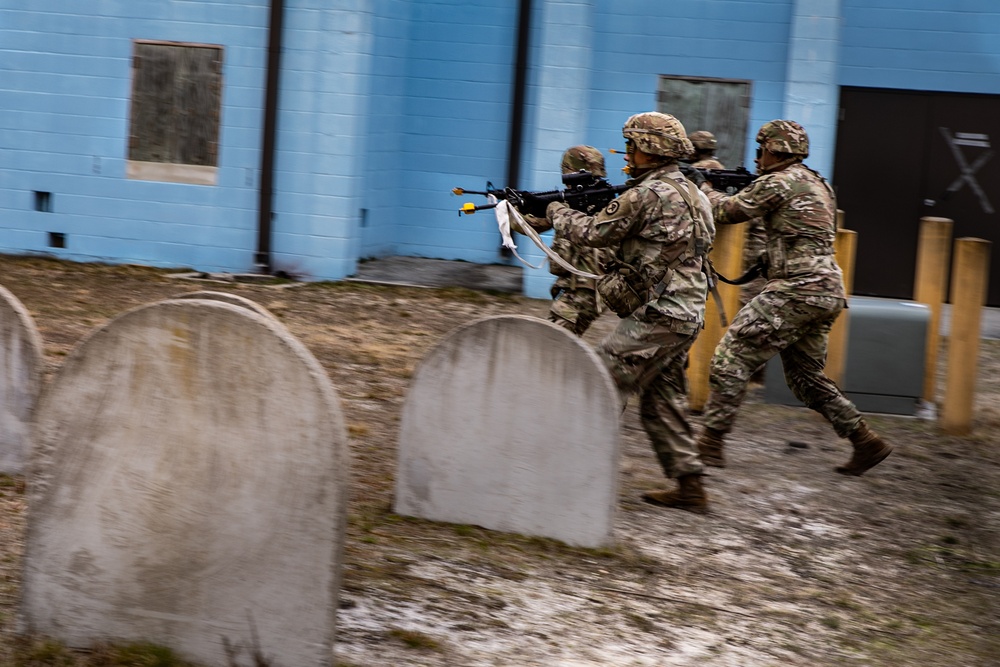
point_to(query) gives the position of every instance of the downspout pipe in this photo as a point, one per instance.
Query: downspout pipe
(265, 212)
(519, 93)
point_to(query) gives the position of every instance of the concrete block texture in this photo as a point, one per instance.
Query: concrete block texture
(20, 381)
(511, 423)
(188, 488)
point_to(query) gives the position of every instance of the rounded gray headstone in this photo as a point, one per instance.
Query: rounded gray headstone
(189, 489)
(226, 297)
(20, 381)
(511, 423)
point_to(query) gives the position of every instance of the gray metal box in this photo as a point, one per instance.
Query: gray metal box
(886, 351)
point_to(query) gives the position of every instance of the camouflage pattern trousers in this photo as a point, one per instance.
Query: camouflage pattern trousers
(798, 328)
(648, 358)
(574, 309)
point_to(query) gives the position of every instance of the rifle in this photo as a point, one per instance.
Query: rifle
(729, 181)
(583, 192)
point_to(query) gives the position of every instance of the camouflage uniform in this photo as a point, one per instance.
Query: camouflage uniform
(575, 302)
(648, 224)
(756, 237)
(704, 143)
(802, 298)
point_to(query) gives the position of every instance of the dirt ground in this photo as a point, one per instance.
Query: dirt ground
(796, 565)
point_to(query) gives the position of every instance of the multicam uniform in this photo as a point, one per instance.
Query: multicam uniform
(803, 295)
(575, 302)
(707, 163)
(651, 224)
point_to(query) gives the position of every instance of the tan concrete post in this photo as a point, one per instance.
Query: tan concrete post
(727, 256)
(930, 287)
(845, 247)
(969, 278)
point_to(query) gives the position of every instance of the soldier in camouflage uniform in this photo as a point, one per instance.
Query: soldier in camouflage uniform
(704, 143)
(803, 296)
(575, 303)
(661, 230)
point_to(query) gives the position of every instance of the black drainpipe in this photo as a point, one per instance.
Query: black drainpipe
(520, 87)
(264, 211)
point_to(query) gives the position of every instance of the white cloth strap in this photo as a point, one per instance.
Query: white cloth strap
(504, 212)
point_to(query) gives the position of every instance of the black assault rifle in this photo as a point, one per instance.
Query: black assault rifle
(723, 180)
(583, 192)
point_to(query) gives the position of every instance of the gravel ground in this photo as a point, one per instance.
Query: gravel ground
(795, 565)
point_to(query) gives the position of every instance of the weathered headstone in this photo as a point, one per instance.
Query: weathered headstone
(20, 381)
(189, 489)
(234, 299)
(511, 423)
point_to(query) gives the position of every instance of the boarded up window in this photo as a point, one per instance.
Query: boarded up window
(176, 98)
(720, 106)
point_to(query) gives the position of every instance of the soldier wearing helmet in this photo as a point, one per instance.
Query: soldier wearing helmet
(660, 230)
(803, 296)
(575, 304)
(705, 145)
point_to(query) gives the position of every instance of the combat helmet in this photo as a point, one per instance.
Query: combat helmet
(658, 134)
(784, 136)
(586, 158)
(703, 140)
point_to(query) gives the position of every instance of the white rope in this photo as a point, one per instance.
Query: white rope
(504, 211)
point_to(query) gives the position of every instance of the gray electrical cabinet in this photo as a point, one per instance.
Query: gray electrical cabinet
(886, 351)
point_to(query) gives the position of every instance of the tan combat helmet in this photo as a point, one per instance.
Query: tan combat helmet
(586, 158)
(703, 140)
(658, 134)
(784, 136)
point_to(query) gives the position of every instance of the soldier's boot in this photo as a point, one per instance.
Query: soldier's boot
(710, 446)
(689, 495)
(869, 451)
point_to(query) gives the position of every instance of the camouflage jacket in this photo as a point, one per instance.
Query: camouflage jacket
(800, 219)
(591, 260)
(708, 163)
(647, 225)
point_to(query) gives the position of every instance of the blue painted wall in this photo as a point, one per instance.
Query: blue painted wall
(386, 105)
(922, 45)
(65, 79)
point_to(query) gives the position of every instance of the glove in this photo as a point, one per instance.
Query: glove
(696, 177)
(529, 204)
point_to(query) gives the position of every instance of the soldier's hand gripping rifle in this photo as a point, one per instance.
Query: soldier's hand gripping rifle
(583, 192)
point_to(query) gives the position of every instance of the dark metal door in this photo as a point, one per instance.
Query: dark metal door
(902, 155)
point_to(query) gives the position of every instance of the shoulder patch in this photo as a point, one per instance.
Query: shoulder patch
(612, 207)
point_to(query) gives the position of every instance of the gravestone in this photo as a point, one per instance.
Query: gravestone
(21, 364)
(234, 299)
(189, 489)
(511, 423)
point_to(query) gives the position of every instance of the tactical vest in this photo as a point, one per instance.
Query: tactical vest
(625, 288)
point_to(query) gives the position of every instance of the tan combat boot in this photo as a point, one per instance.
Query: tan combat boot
(710, 446)
(690, 495)
(869, 450)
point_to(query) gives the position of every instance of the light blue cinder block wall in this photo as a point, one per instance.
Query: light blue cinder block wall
(457, 106)
(64, 93)
(388, 104)
(321, 140)
(921, 45)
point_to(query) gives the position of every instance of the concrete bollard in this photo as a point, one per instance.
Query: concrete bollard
(727, 256)
(930, 287)
(969, 279)
(845, 248)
